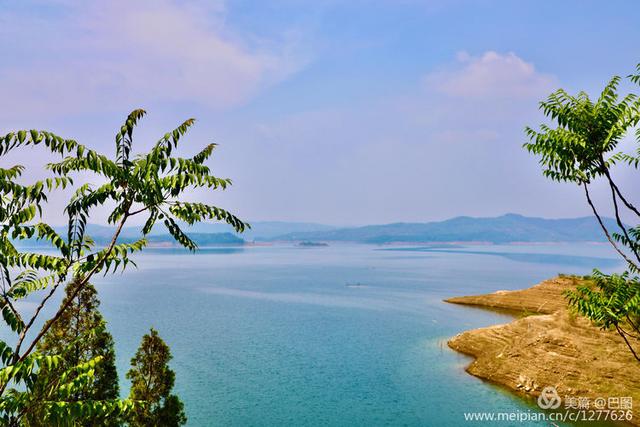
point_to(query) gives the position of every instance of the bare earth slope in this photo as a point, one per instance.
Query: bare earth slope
(553, 348)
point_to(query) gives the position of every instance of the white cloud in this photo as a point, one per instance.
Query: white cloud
(96, 55)
(450, 147)
(490, 75)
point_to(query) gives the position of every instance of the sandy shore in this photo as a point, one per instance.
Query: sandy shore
(548, 346)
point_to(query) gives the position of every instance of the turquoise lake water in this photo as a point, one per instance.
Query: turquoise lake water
(345, 335)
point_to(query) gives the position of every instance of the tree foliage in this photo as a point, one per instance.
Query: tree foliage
(155, 185)
(582, 148)
(152, 381)
(79, 336)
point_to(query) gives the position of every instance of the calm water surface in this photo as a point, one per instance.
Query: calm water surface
(345, 335)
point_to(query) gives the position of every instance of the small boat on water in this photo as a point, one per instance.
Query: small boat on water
(355, 285)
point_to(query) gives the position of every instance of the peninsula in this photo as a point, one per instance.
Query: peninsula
(548, 346)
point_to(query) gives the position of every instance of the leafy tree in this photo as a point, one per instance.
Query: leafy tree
(152, 184)
(80, 335)
(583, 148)
(151, 382)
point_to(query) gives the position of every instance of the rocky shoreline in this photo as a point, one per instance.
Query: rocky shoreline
(549, 346)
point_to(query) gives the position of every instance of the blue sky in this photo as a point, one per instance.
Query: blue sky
(341, 112)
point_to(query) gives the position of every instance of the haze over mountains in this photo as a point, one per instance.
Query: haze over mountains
(259, 231)
(509, 228)
(503, 229)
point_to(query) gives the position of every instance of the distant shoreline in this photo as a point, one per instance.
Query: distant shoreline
(441, 243)
(548, 346)
(32, 244)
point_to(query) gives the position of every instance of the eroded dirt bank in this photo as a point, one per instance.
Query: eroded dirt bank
(549, 347)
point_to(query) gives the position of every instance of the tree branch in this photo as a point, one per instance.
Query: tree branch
(23, 334)
(621, 333)
(619, 193)
(80, 285)
(604, 228)
(631, 244)
(629, 334)
(139, 210)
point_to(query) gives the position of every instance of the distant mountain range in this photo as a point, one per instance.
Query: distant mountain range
(261, 230)
(503, 229)
(204, 234)
(508, 228)
(202, 239)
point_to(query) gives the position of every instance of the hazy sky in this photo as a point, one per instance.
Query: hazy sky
(340, 112)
